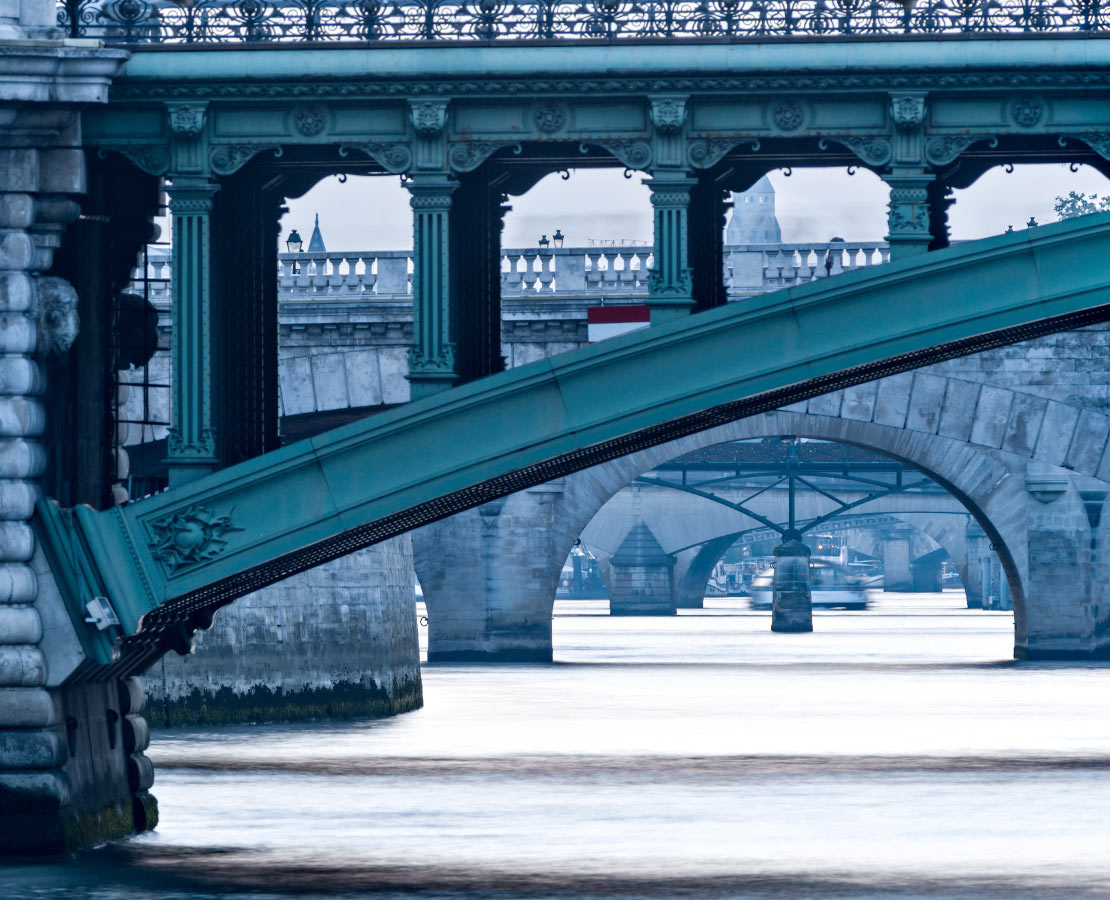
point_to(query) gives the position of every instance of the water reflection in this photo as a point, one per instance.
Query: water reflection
(893, 753)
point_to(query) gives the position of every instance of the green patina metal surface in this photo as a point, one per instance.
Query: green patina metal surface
(168, 562)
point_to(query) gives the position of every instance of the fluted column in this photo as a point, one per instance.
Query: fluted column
(670, 286)
(432, 366)
(192, 449)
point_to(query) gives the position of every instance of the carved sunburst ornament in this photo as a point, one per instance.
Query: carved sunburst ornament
(188, 538)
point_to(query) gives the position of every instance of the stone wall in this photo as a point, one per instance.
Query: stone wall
(337, 641)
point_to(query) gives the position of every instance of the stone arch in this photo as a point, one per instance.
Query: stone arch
(995, 486)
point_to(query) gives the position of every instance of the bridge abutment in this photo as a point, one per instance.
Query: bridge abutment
(71, 766)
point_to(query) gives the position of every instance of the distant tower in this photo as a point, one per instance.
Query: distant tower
(316, 242)
(753, 216)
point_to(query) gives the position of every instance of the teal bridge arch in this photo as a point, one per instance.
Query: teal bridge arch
(167, 563)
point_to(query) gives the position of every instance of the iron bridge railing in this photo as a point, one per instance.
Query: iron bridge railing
(223, 21)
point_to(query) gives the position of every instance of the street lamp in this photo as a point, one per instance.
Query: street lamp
(544, 242)
(295, 245)
(557, 237)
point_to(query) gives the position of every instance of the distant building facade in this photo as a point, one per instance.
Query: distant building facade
(753, 219)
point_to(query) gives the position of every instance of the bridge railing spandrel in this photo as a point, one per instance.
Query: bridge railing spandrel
(222, 21)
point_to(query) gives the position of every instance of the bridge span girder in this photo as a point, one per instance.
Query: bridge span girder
(169, 562)
(467, 124)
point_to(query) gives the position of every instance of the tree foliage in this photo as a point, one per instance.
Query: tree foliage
(1080, 204)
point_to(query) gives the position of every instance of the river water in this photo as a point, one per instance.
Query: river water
(897, 752)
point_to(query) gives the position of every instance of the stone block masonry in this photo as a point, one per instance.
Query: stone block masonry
(338, 641)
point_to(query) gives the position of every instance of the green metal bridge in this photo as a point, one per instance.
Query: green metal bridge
(167, 563)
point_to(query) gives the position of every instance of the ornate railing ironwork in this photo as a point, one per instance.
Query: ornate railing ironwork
(222, 21)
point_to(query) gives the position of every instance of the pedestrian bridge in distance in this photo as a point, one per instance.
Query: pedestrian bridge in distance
(167, 563)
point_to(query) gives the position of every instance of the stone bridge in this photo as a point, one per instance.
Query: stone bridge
(92, 135)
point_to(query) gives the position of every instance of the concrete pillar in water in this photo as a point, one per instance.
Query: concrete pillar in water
(973, 581)
(641, 576)
(897, 560)
(791, 610)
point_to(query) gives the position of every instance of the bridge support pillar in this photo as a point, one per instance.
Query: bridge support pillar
(977, 555)
(707, 244)
(898, 560)
(432, 364)
(641, 576)
(670, 285)
(72, 772)
(191, 448)
(908, 214)
(489, 577)
(791, 605)
(1062, 614)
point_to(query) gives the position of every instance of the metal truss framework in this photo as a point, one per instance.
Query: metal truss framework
(794, 473)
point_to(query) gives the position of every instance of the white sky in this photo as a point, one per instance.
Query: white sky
(812, 205)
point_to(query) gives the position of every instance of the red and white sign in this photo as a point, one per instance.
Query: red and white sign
(608, 321)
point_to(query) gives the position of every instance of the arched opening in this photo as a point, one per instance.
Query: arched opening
(1012, 197)
(662, 539)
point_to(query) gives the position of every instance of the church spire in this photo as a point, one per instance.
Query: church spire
(316, 242)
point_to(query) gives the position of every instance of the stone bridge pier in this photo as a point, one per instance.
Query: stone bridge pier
(72, 769)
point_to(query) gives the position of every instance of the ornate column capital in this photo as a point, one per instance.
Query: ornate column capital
(668, 112)
(668, 117)
(429, 117)
(907, 115)
(186, 120)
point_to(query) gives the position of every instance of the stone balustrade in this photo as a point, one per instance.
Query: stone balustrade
(619, 271)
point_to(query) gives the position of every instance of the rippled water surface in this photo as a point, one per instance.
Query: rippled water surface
(893, 753)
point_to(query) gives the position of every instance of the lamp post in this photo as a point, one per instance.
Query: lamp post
(557, 237)
(543, 242)
(294, 244)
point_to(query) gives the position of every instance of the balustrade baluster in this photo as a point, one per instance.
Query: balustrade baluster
(511, 279)
(547, 272)
(593, 272)
(627, 276)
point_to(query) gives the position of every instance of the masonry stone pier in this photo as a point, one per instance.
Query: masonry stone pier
(898, 560)
(792, 607)
(641, 576)
(338, 641)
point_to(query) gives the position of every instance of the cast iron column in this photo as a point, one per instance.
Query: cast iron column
(908, 215)
(706, 232)
(192, 450)
(432, 356)
(670, 285)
